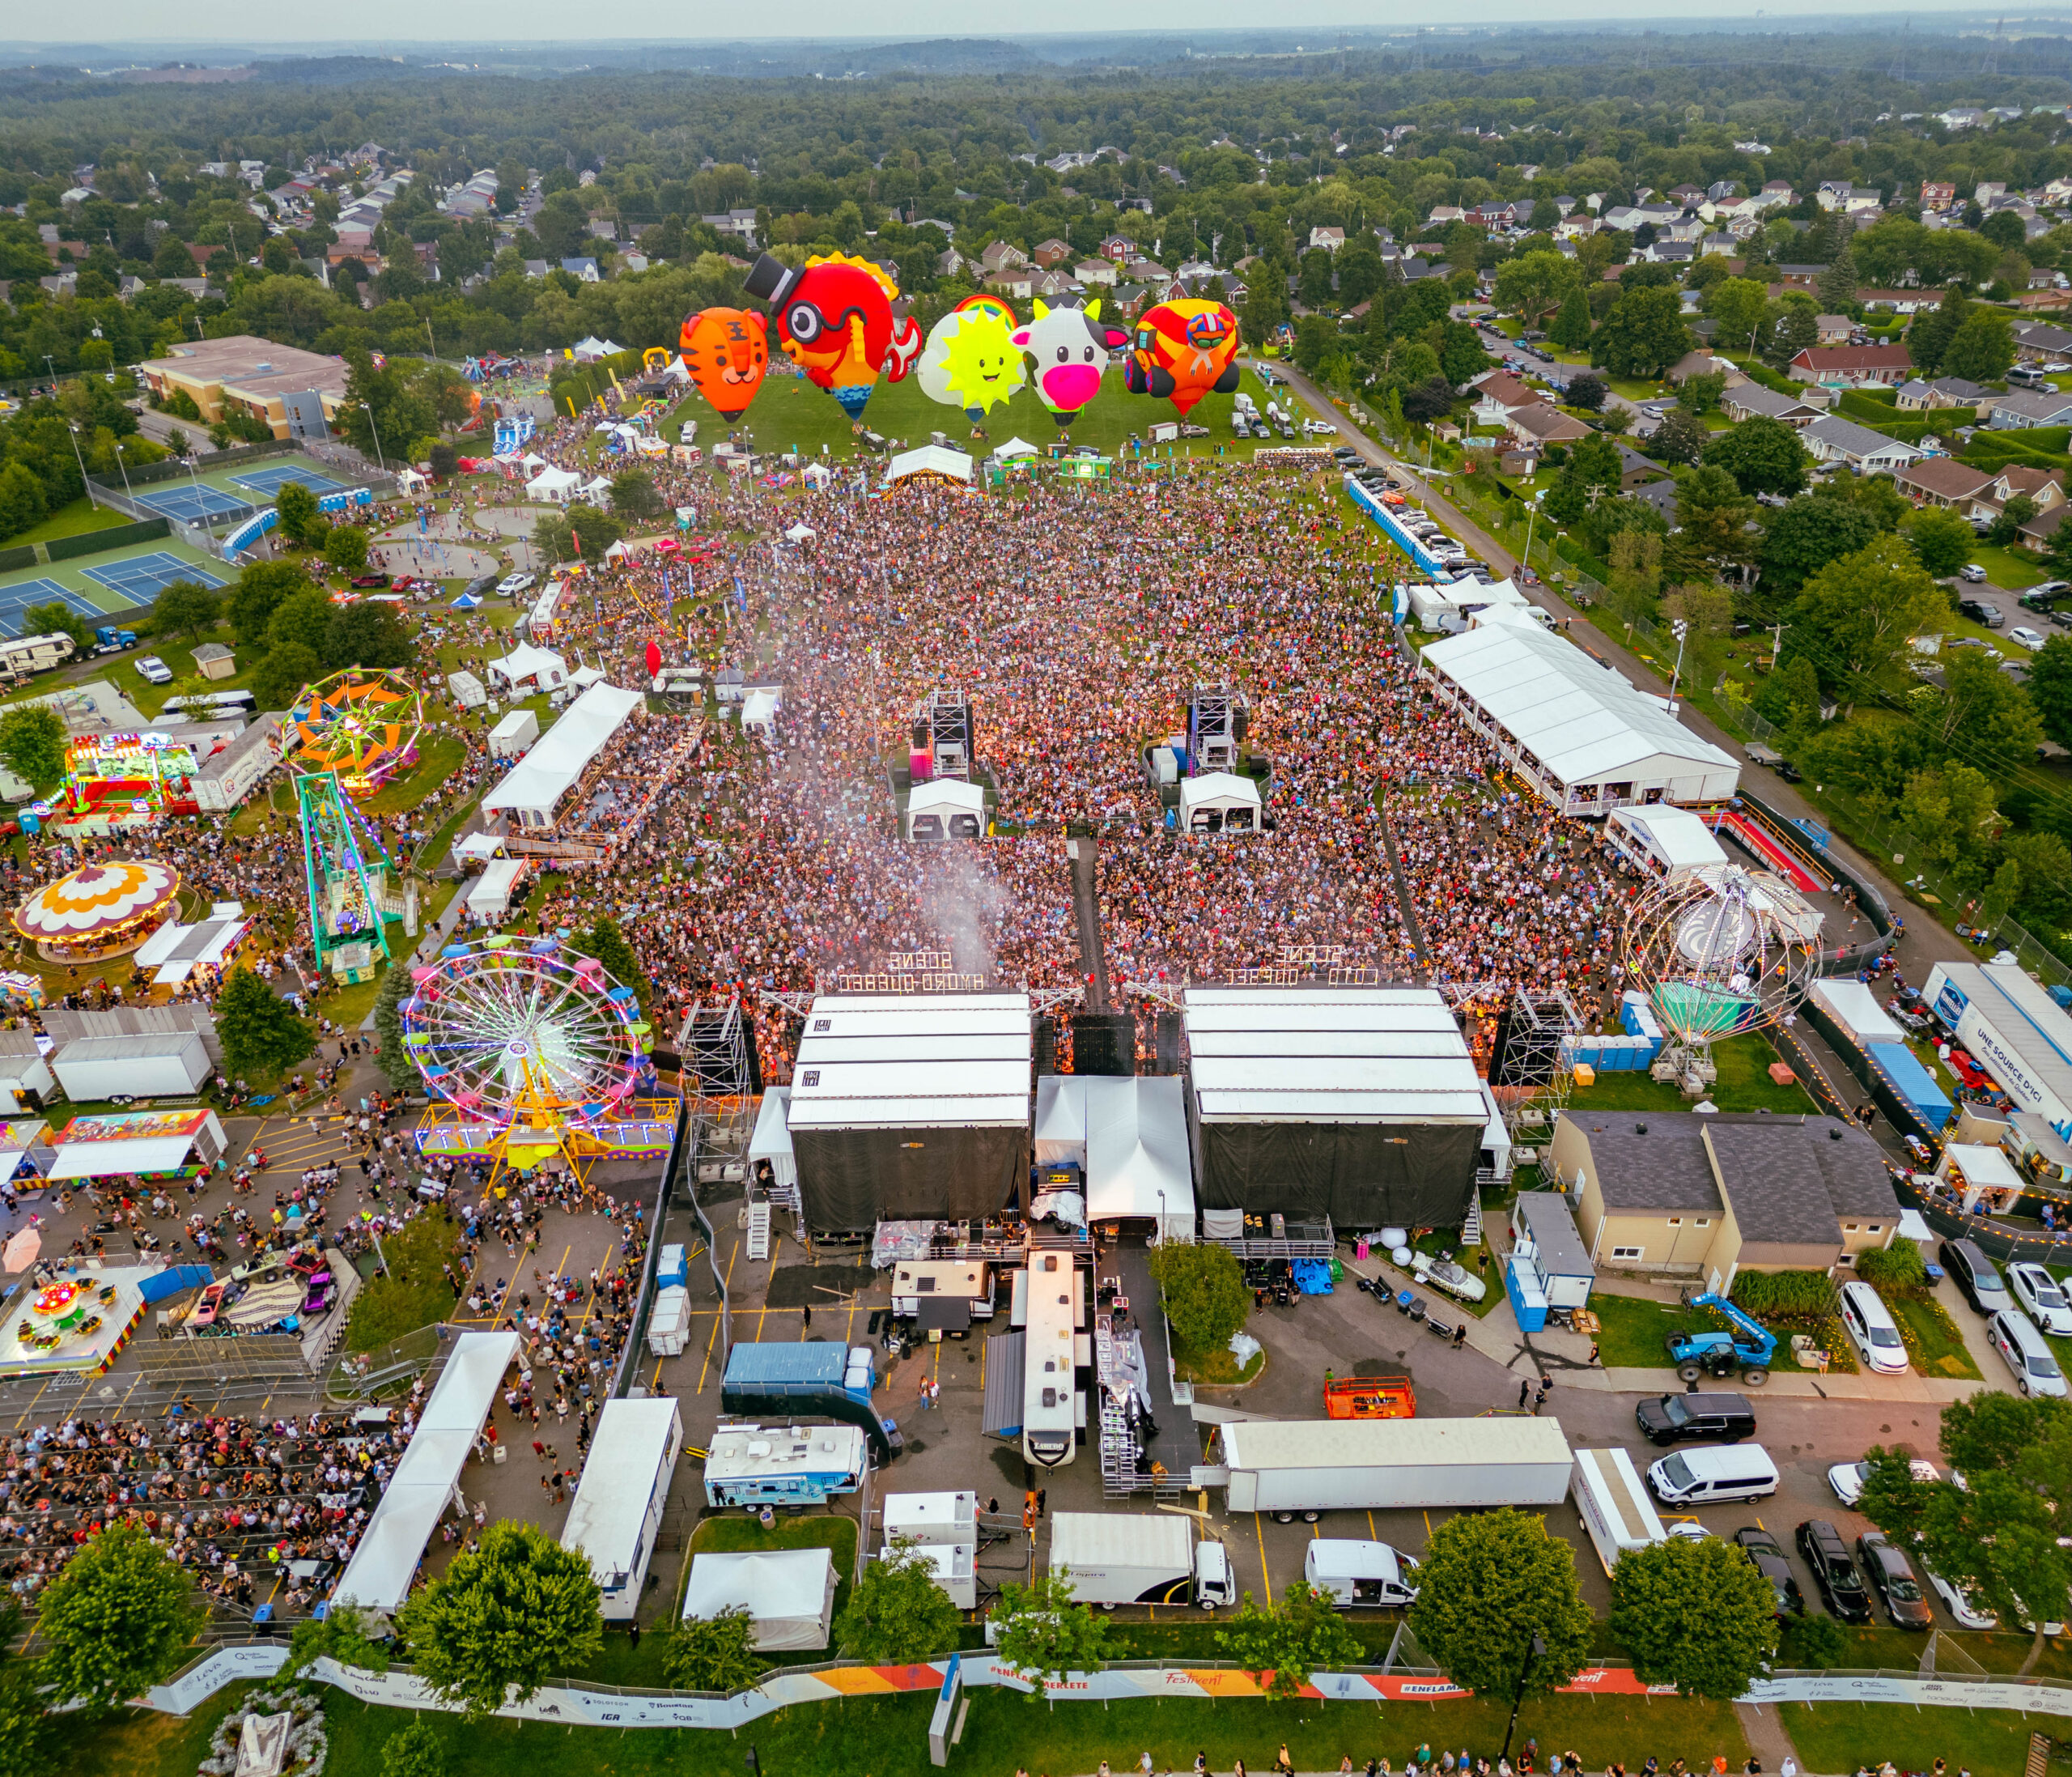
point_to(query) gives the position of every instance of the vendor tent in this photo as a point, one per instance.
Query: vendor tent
(932, 460)
(535, 785)
(532, 669)
(759, 709)
(1130, 1138)
(788, 1593)
(558, 485)
(490, 897)
(798, 533)
(1015, 447)
(479, 845)
(946, 809)
(1219, 802)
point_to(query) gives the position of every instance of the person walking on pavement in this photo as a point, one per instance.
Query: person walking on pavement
(1525, 1393)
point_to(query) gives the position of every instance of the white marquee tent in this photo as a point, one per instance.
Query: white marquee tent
(490, 899)
(558, 485)
(539, 668)
(1580, 735)
(929, 459)
(946, 808)
(1130, 1135)
(1219, 802)
(378, 1577)
(759, 709)
(789, 1593)
(1669, 843)
(533, 788)
(1430, 604)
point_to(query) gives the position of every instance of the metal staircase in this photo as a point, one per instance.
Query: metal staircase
(759, 1231)
(1471, 1230)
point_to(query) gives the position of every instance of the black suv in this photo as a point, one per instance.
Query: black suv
(1679, 1418)
(1833, 1572)
(1980, 612)
(1892, 1574)
(1760, 1547)
(1974, 1274)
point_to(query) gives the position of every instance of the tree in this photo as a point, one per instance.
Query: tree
(33, 739)
(633, 494)
(287, 667)
(366, 634)
(1713, 517)
(1798, 329)
(346, 549)
(1928, 339)
(1836, 286)
(2007, 522)
(1943, 541)
(713, 1653)
(1812, 531)
(115, 1621)
(1642, 335)
(1705, 609)
(184, 608)
(1996, 1536)
(607, 943)
(1588, 392)
(340, 1636)
(414, 1750)
(389, 1056)
(1203, 1287)
(305, 617)
(1680, 438)
(1740, 305)
(1982, 348)
(27, 1736)
(577, 530)
(1979, 709)
(1534, 284)
(1762, 455)
(1044, 1630)
(1861, 610)
(1295, 1637)
(261, 589)
(896, 1615)
(1789, 696)
(300, 521)
(504, 1619)
(1951, 817)
(1429, 400)
(261, 1036)
(1694, 1614)
(1490, 1582)
(2050, 690)
(444, 459)
(1702, 394)
(1571, 327)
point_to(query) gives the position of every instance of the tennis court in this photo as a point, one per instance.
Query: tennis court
(141, 578)
(16, 599)
(267, 483)
(190, 504)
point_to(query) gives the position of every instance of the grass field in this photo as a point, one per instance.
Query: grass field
(1744, 1084)
(1932, 1342)
(74, 519)
(1844, 1737)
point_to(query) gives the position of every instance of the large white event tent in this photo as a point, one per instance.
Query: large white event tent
(1130, 1138)
(377, 1579)
(788, 1593)
(1579, 733)
(534, 787)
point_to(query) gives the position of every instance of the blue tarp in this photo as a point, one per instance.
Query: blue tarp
(172, 1280)
(1312, 1276)
(1913, 1082)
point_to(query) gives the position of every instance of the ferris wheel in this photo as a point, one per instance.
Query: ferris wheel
(514, 1033)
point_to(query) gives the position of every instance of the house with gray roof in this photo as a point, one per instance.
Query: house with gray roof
(1751, 398)
(1835, 439)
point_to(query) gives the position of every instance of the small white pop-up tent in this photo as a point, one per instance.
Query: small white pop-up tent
(799, 532)
(1015, 447)
(1219, 802)
(528, 668)
(558, 485)
(771, 1142)
(946, 809)
(788, 1593)
(759, 710)
(490, 897)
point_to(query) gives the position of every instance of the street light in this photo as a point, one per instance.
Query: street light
(72, 426)
(376, 430)
(1537, 1651)
(1682, 629)
(122, 464)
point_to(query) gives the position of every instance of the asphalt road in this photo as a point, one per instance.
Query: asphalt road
(1925, 942)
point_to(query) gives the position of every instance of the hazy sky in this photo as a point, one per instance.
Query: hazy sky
(263, 23)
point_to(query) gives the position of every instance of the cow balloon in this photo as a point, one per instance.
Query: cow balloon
(1070, 349)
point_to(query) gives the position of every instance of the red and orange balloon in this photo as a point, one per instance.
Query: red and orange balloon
(727, 351)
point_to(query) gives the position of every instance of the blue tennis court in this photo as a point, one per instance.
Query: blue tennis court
(141, 578)
(191, 504)
(268, 482)
(16, 599)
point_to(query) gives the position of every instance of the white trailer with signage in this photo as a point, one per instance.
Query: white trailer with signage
(1615, 1508)
(1304, 1467)
(618, 1508)
(2013, 1030)
(1139, 1558)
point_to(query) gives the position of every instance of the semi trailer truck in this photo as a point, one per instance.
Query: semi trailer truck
(1304, 1467)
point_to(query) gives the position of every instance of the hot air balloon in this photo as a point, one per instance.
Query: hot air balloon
(833, 318)
(654, 659)
(726, 351)
(1182, 350)
(1071, 347)
(971, 361)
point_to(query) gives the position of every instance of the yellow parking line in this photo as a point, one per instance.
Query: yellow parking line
(1266, 1575)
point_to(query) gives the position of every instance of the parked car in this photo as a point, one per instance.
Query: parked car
(1847, 1478)
(481, 586)
(1891, 1576)
(1973, 573)
(1841, 1586)
(2023, 636)
(512, 584)
(2027, 1355)
(1959, 1603)
(1872, 1330)
(375, 582)
(1763, 1548)
(2038, 1291)
(1973, 1274)
(154, 669)
(1980, 612)
(1678, 1418)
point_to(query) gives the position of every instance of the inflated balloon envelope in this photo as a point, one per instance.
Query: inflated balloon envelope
(833, 318)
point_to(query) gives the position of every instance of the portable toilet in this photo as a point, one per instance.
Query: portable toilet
(670, 1270)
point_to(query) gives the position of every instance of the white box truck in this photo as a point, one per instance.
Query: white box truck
(1304, 1467)
(1140, 1558)
(933, 1519)
(1615, 1508)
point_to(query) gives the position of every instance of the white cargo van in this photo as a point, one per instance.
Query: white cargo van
(2024, 1351)
(1360, 1576)
(1714, 1475)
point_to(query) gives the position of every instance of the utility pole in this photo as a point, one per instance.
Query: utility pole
(1776, 644)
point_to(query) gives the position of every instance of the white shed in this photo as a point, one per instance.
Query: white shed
(788, 1593)
(946, 809)
(1219, 802)
(511, 736)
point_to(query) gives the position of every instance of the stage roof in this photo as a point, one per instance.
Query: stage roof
(900, 1060)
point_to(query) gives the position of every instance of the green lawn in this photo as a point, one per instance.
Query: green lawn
(1844, 1737)
(887, 1736)
(1934, 1343)
(80, 516)
(2003, 568)
(414, 1295)
(1634, 1334)
(1744, 1084)
(1214, 1369)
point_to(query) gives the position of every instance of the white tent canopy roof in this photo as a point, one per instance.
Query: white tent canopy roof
(1583, 724)
(929, 459)
(1217, 790)
(491, 894)
(525, 662)
(759, 707)
(551, 482)
(946, 795)
(788, 1593)
(896, 1061)
(1131, 1136)
(558, 756)
(1016, 447)
(1680, 836)
(1330, 1055)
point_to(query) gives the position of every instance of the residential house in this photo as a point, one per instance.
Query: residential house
(1018, 281)
(1051, 253)
(1540, 425)
(1843, 366)
(1053, 285)
(1702, 362)
(1095, 271)
(1635, 470)
(2037, 342)
(738, 224)
(1660, 494)
(1331, 239)
(1900, 302)
(1942, 481)
(1002, 256)
(1497, 394)
(1835, 439)
(1832, 330)
(584, 271)
(1751, 398)
(2045, 486)
(2025, 409)
(1917, 396)
(1708, 1195)
(1116, 249)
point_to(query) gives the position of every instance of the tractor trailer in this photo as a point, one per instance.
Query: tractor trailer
(1304, 1467)
(1140, 1558)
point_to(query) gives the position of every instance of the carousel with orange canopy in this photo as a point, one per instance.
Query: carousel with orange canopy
(100, 910)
